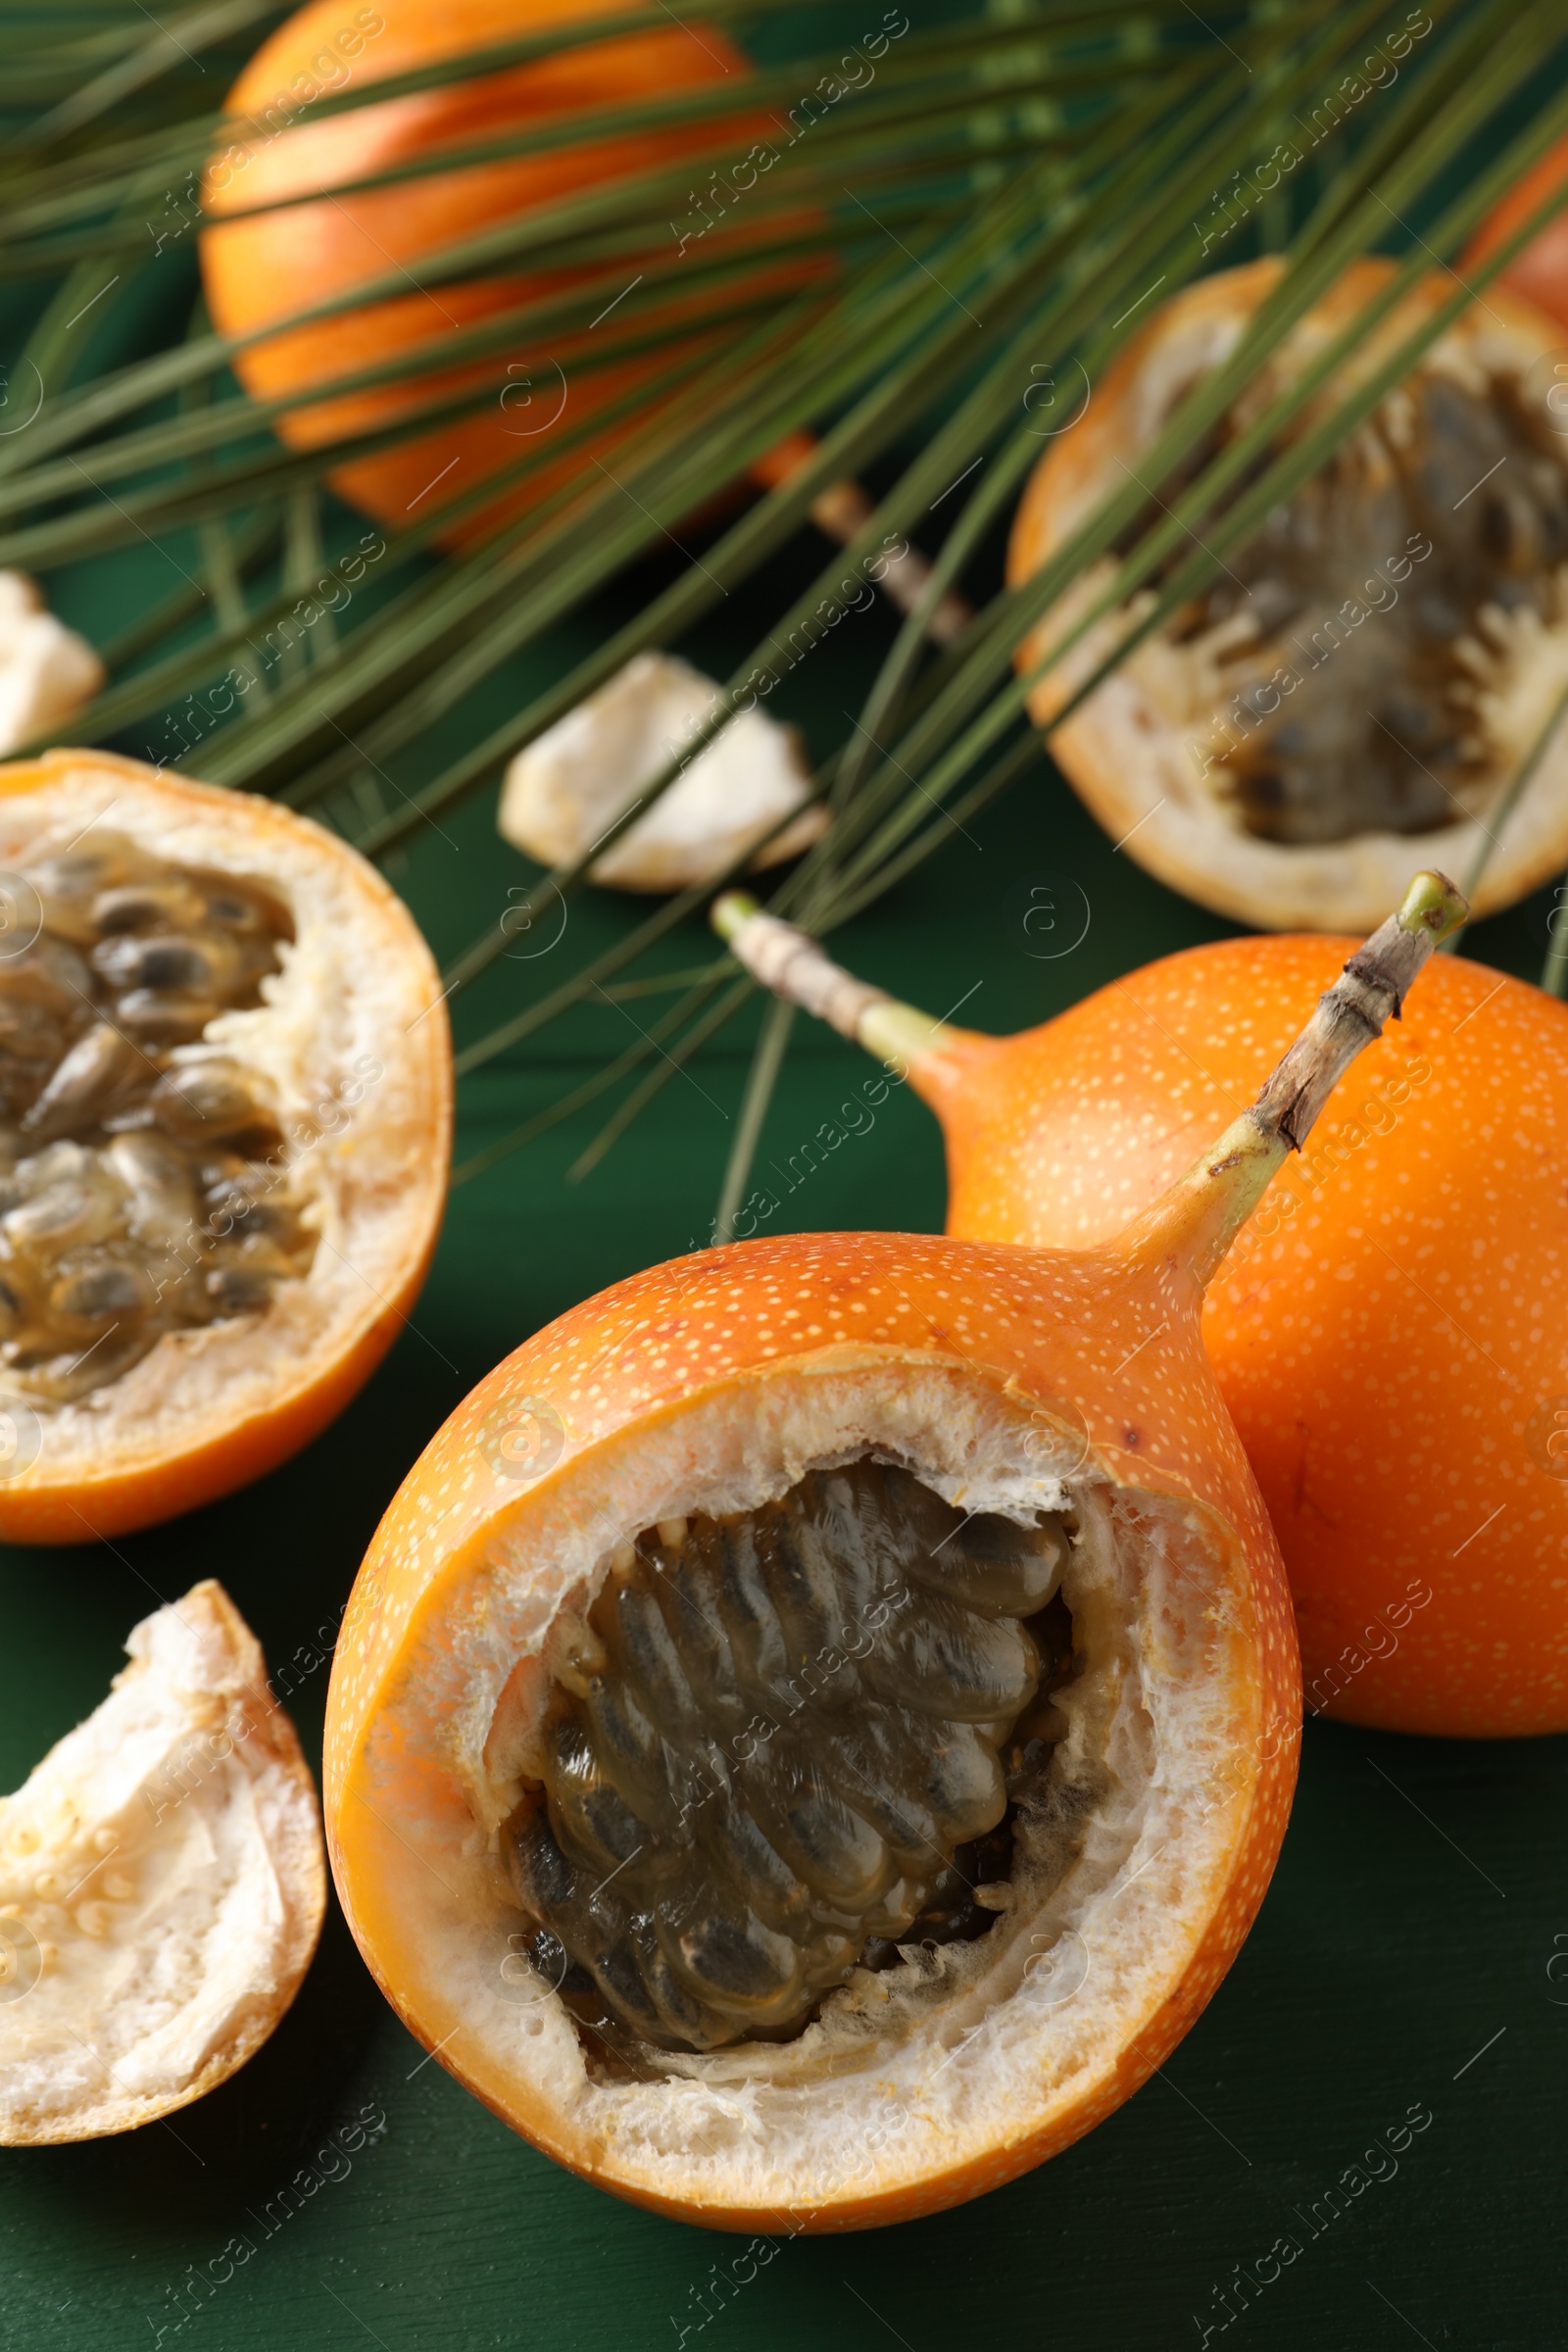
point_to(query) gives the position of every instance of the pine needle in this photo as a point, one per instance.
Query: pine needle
(767, 1061)
(1009, 193)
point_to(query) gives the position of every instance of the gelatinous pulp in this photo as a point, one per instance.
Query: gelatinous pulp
(1366, 619)
(133, 1195)
(773, 1745)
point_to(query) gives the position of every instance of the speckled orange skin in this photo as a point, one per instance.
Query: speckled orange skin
(120, 1498)
(1115, 1332)
(265, 269)
(1541, 271)
(1384, 1330)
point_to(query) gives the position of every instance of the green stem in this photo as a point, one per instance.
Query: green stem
(1554, 972)
(789, 961)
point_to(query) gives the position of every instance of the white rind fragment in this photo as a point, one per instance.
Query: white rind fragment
(162, 1886)
(47, 672)
(569, 785)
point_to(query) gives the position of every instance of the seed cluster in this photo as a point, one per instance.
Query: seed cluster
(1380, 730)
(131, 1184)
(768, 1746)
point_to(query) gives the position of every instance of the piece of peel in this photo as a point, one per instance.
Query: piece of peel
(568, 786)
(162, 1886)
(47, 671)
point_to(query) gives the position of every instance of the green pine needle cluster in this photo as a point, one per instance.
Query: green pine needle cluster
(1001, 205)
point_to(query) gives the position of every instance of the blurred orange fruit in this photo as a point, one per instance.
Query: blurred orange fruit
(1540, 271)
(267, 267)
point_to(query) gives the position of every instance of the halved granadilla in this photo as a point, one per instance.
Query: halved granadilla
(1363, 680)
(817, 1724)
(225, 1097)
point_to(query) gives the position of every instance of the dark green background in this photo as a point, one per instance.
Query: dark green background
(1413, 1921)
(1421, 1896)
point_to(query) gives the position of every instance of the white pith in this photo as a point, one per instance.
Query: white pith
(47, 671)
(947, 2056)
(1137, 749)
(565, 790)
(162, 1886)
(353, 990)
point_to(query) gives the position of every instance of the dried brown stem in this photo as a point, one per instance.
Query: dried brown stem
(1350, 1014)
(1198, 1218)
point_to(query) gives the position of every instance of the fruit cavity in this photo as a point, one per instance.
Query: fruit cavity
(134, 1198)
(1358, 640)
(775, 1746)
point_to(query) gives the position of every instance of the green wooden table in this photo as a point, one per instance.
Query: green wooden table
(1410, 1962)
